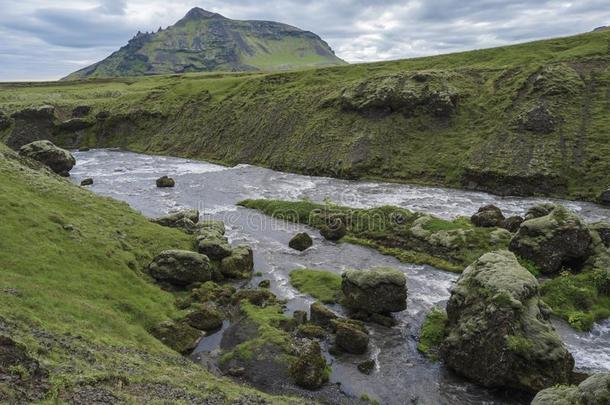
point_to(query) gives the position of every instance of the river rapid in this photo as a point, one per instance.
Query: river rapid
(402, 375)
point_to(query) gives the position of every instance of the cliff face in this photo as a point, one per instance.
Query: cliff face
(204, 42)
(530, 119)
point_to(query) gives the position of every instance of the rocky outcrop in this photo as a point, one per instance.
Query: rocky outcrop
(180, 268)
(559, 238)
(183, 219)
(165, 182)
(59, 160)
(498, 332)
(379, 290)
(309, 369)
(31, 124)
(81, 111)
(23, 380)
(595, 390)
(177, 335)
(301, 241)
(537, 119)
(239, 264)
(488, 216)
(512, 224)
(5, 121)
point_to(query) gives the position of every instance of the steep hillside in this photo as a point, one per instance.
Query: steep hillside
(205, 42)
(529, 119)
(75, 306)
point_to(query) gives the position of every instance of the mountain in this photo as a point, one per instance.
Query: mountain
(203, 41)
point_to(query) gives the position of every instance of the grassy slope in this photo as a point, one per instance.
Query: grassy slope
(72, 289)
(294, 121)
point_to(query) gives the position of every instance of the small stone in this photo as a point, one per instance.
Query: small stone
(165, 182)
(264, 284)
(604, 197)
(367, 366)
(87, 182)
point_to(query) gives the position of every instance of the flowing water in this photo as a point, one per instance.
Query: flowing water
(402, 375)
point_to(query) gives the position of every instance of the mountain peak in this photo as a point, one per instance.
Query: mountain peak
(197, 13)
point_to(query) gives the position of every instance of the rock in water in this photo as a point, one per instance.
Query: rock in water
(334, 230)
(604, 197)
(498, 332)
(239, 264)
(320, 315)
(308, 370)
(59, 160)
(177, 335)
(552, 241)
(595, 390)
(180, 267)
(351, 336)
(301, 241)
(488, 216)
(379, 290)
(165, 182)
(87, 182)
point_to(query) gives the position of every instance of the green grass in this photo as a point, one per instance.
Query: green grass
(295, 121)
(73, 290)
(320, 284)
(432, 333)
(448, 245)
(577, 297)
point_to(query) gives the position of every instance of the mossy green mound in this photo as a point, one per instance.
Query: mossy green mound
(75, 296)
(322, 285)
(432, 333)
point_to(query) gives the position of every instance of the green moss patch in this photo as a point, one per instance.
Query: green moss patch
(320, 284)
(432, 333)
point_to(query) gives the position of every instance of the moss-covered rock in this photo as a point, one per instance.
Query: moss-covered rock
(512, 224)
(87, 182)
(239, 264)
(212, 292)
(311, 331)
(165, 182)
(333, 232)
(498, 333)
(205, 317)
(595, 390)
(213, 244)
(179, 219)
(309, 368)
(432, 333)
(553, 241)
(180, 267)
(488, 216)
(178, 335)
(351, 336)
(301, 241)
(537, 119)
(367, 366)
(59, 160)
(260, 297)
(379, 290)
(321, 315)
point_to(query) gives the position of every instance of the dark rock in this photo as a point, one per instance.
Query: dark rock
(488, 216)
(177, 335)
(300, 317)
(205, 317)
(84, 149)
(81, 111)
(604, 197)
(87, 182)
(264, 284)
(31, 124)
(239, 264)
(333, 232)
(180, 267)
(512, 224)
(259, 298)
(367, 366)
(311, 331)
(320, 315)
(496, 333)
(552, 241)
(185, 219)
(301, 241)
(379, 290)
(595, 390)
(537, 119)
(59, 160)
(603, 230)
(213, 244)
(308, 370)
(27, 381)
(165, 182)
(351, 336)
(538, 211)
(5, 121)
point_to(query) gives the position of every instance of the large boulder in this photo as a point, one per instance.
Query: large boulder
(180, 267)
(239, 264)
(595, 390)
(59, 160)
(309, 369)
(553, 241)
(178, 335)
(351, 336)
(301, 241)
(379, 290)
(498, 332)
(488, 216)
(213, 244)
(31, 124)
(183, 219)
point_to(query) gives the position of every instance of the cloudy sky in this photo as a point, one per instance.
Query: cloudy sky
(47, 39)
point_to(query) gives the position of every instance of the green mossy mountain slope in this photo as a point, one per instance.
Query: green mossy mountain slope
(529, 119)
(75, 305)
(206, 42)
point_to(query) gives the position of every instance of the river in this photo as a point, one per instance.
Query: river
(402, 375)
